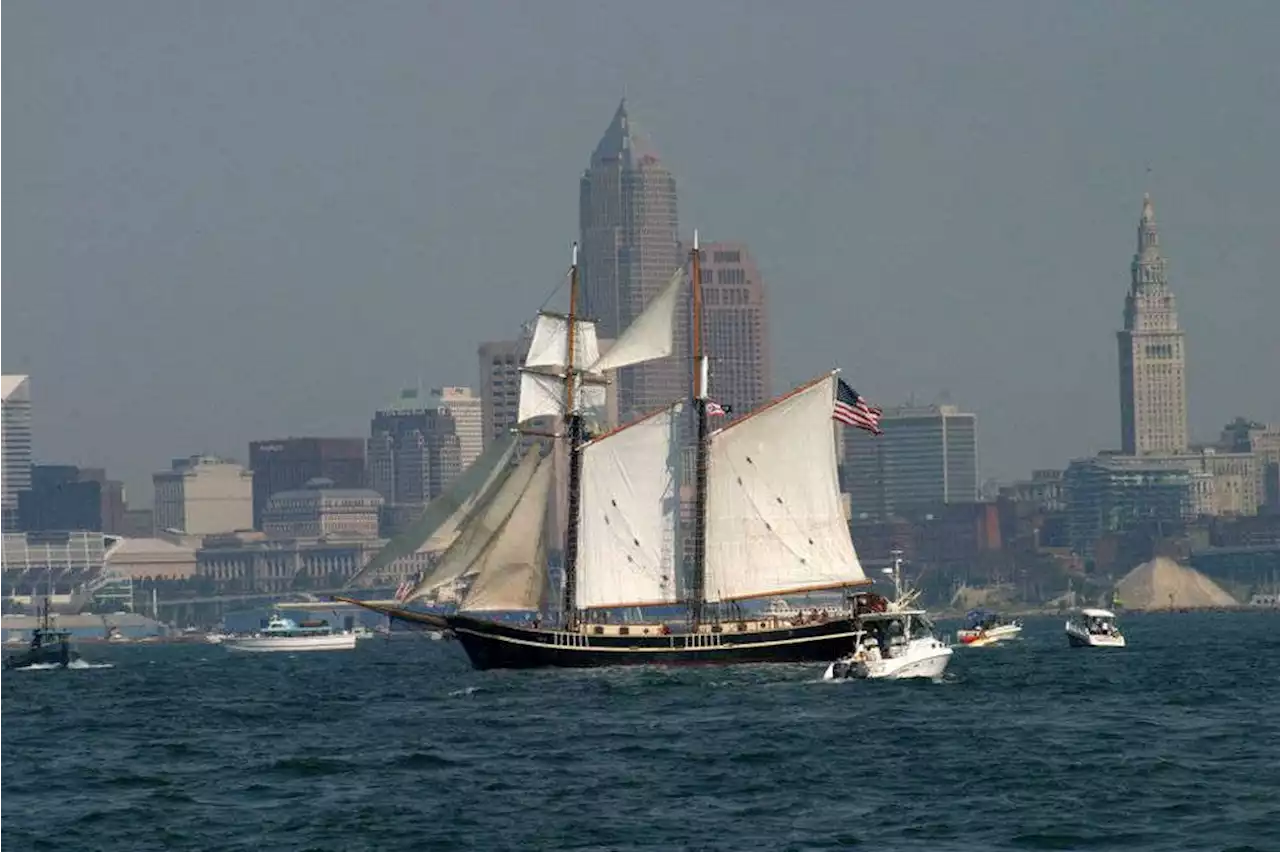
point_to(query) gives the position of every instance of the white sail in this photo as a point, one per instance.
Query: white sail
(774, 522)
(630, 505)
(511, 573)
(549, 347)
(543, 395)
(438, 524)
(651, 336)
(448, 532)
(478, 530)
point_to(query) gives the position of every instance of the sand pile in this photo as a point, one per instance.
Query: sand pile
(1162, 583)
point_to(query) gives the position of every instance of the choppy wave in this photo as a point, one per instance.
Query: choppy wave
(1168, 744)
(74, 665)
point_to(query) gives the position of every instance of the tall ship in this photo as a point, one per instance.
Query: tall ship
(767, 519)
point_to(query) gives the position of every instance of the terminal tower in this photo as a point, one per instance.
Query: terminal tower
(1153, 376)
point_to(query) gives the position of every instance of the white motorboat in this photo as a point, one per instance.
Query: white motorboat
(894, 641)
(987, 628)
(362, 632)
(285, 634)
(1094, 628)
(216, 637)
(780, 609)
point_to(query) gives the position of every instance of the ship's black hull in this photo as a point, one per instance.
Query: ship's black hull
(494, 645)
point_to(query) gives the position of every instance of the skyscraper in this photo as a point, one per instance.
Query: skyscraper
(1153, 380)
(287, 464)
(413, 453)
(926, 456)
(204, 495)
(735, 327)
(468, 419)
(630, 247)
(17, 444)
(500, 362)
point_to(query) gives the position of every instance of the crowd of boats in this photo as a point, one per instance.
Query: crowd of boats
(893, 638)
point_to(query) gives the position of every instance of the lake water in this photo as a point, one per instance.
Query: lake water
(1170, 744)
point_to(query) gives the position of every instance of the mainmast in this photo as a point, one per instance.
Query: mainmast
(573, 423)
(700, 381)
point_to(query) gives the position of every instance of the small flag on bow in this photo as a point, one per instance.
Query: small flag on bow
(403, 590)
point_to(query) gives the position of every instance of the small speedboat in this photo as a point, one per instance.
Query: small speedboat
(1094, 628)
(895, 641)
(285, 634)
(987, 628)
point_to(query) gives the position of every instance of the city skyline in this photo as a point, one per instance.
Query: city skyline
(195, 241)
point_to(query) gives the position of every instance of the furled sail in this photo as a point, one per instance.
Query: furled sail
(651, 336)
(630, 506)
(479, 529)
(549, 347)
(774, 522)
(511, 573)
(441, 517)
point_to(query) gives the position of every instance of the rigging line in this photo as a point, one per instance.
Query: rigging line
(555, 289)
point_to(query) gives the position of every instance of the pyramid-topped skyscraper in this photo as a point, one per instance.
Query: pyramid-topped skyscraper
(630, 247)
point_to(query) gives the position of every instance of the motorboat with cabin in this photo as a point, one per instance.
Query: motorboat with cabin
(895, 640)
(1094, 628)
(285, 634)
(49, 646)
(987, 628)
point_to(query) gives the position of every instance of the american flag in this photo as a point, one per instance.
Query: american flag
(852, 410)
(403, 590)
(715, 409)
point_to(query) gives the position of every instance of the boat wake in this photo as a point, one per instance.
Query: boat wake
(944, 678)
(74, 664)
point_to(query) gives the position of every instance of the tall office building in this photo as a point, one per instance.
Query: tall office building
(735, 327)
(66, 497)
(204, 495)
(413, 454)
(1153, 380)
(468, 419)
(500, 362)
(630, 248)
(16, 423)
(287, 464)
(926, 457)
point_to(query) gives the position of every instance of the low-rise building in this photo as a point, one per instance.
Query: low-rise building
(321, 510)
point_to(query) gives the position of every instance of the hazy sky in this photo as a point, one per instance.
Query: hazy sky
(229, 221)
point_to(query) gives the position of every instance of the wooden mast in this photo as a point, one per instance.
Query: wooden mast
(573, 423)
(700, 381)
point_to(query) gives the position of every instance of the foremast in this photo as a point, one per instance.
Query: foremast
(701, 374)
(573, 430)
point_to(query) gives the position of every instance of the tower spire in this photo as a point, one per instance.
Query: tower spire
(1148, 236)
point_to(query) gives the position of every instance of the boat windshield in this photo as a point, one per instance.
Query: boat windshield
(921, 626)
